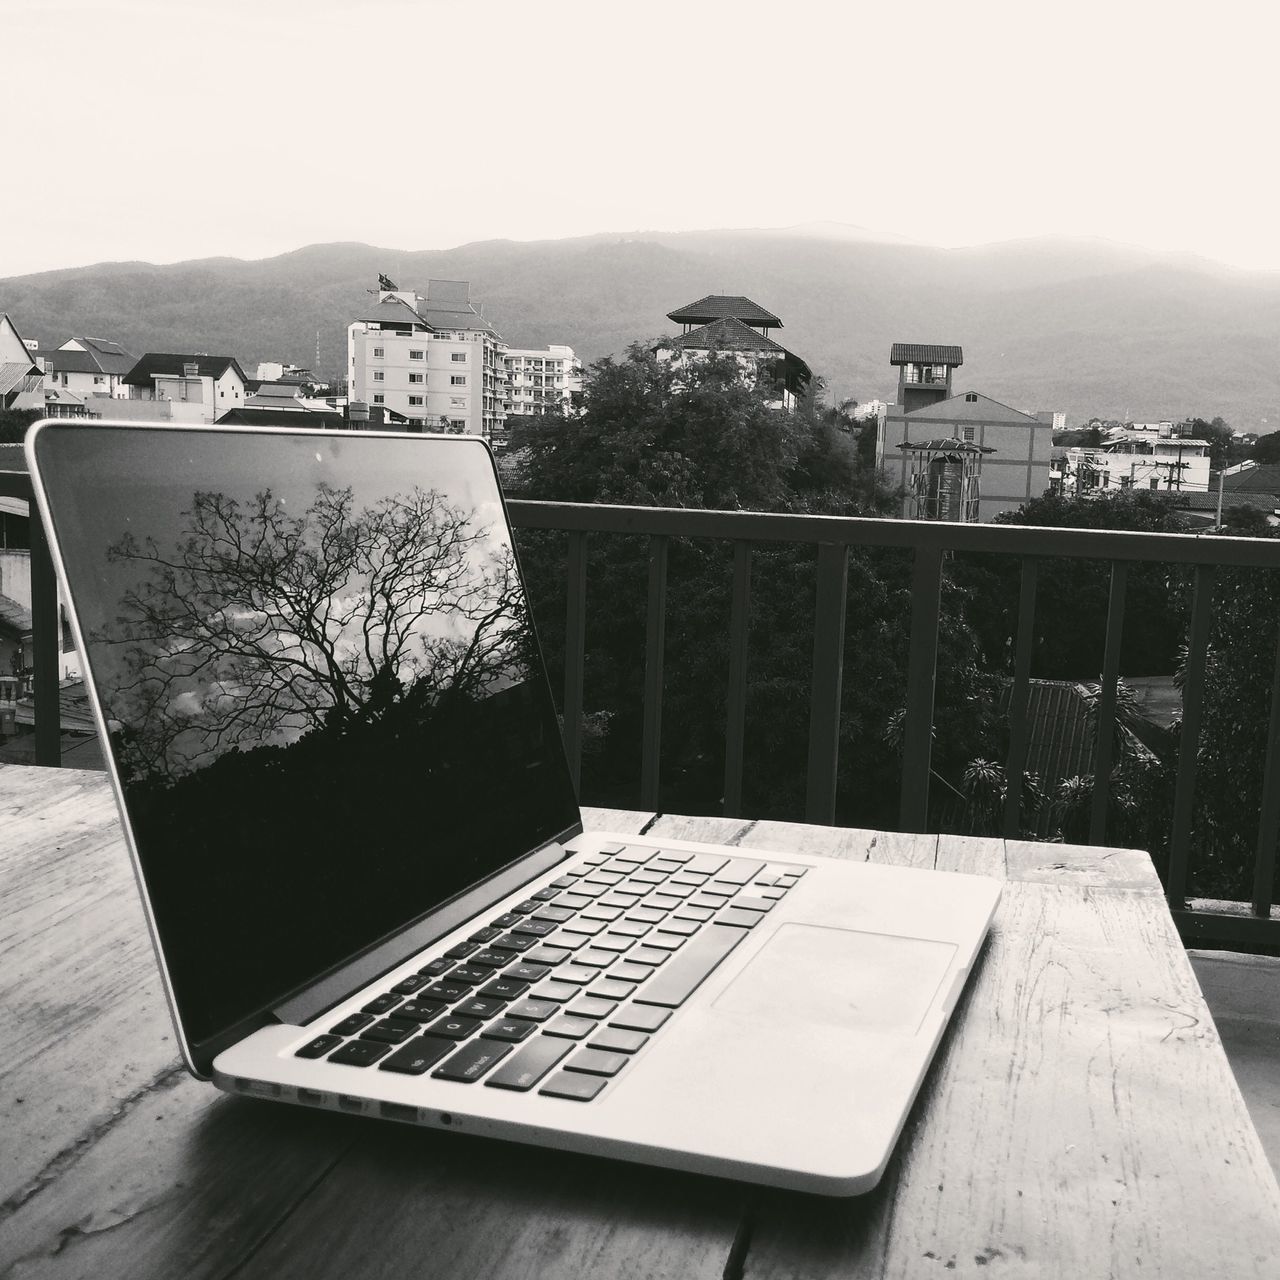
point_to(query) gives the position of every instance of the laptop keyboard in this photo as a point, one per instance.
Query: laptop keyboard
(561, 991)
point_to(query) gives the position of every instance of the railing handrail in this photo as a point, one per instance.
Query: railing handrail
(911, 535)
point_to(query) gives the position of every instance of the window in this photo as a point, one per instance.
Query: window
(379, 376)
(458, 380)
(1155, 483)
(971, 397)
(416, 424)
(415, 354)
(415, 400)
(458, 424)
(379, 399)
(378, 351)
(970, 434)
(458, 357)
(417, 377)
(458, 402)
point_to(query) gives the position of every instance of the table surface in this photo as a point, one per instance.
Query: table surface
(1080, 1121)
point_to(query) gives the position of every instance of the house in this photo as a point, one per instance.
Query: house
(20, 373)
(87, 367)
(1011, 464)
(1142, 456)
(735, 325)
(183, 388)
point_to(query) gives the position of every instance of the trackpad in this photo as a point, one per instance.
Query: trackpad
(841, 977)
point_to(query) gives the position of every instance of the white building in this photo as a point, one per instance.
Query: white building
(1144, 456)
(183, 388)
(541, 380)
(87, 367)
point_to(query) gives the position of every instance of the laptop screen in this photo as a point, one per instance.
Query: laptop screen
(325, 699)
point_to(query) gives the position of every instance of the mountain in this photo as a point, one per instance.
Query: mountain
(1081, 325)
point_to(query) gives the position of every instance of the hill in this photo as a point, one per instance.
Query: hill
(1086, 326)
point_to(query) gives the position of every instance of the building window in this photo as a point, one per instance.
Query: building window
(970, 434)
(379, 376)
(416, 354)
(417, 377)
(377, 351)
(458, 357)
(458, 380)
(971, 397)
(379, 398)
(458, 402)
(415, 400)
(1155, 483)
(458, 424)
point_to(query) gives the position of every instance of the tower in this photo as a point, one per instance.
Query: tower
(924, 373)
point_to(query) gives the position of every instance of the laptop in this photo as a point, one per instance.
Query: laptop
(342, 784)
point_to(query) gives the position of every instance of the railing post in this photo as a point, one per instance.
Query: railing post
(654, 647)
(1016, 764)
(575, 632)
(736, 697)
(1264, 868)
(46, 643)
(828, 675)
(922, 664)
(1104, 721)
(1192, 701)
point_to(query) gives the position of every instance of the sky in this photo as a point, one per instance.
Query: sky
(165, 130)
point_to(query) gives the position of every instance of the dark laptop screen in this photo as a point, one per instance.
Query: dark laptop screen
(325, 698)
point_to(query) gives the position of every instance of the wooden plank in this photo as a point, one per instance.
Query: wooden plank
(1086, 865)
(973, 855)
(712, 830)
(630, 821)
(1144, 1162)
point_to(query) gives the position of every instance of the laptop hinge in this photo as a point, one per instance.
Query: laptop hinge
(342, 982)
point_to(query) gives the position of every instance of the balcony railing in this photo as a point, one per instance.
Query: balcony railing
(930, 543)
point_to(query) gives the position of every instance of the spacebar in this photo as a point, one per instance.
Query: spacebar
(685, 972)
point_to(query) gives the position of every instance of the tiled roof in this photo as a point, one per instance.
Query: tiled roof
(728, 334)
(396, 311)
(14, 617)
(721, 306)
(166, 363)
(1261, 479)
(99, 356)
(1268, 502)
(14, 373)
(73, 362)
(255, 416)
(923, 353)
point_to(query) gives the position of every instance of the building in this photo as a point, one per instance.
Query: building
(87, 367)
(734, 325)
(1146, 456)
(1012, 463)
(182, 388)
(540, 380)
(1054, 418)
(21, 376)
(436, 360)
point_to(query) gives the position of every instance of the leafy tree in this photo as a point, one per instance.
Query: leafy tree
(1222, 447)
(14, 424)
(1267, 448)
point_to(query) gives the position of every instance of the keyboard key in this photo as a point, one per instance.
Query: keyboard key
(691, 912)
(596, 859)
(670, 890)
(381, 1004)
(611, 989)
(421, 1010)
(545, 895)
(359, 1053)
(391, 1030)
(772, 894)
(511, 1029)
(651, 956)
(565, 882)
(527, 1066)
(662, 902)
(739, 919)
(491, 959)
(574, 901)
(717, 890)
(446, 991)
(637, 857)
(597, 912)
(434, 968)
(690, 967)
(639, 1017)
(597, 1062)
(630, 928)
(514, 942)
(553, 915)
(462, 950)
(584, 926)
(481, 936)
(526, 972)
(504, 922)
(604, 875)
(407, 986)
(663, 864)
(646, 915)
(708, 863)
(627, 972)
(567, 941)
(479, 1007)
(567, 1028)
(533, 1010)
(594, 958)
(590, 889)
(622, 899)
(472, 1061)
(615, 942)
(352, 1023)
(452, 1027)
(615, 1040)
(504, 989)
(467, 973)
(538, 928)
(527, 907)
(748, 903)
(560, 992)
(706, 902)
(686, 876)
(739, 871)
(674, 855)
(647, 876)
(576, 973)
(418, 1056)
(318, 1047)
(591, 1007)
(666, 941)
(574, 1086)
(686, 928)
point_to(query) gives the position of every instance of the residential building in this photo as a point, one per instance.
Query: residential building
(20, 373)
(435, 359)
(540, 380)
(1055, 419)
(735, 325)
(1146, 456)
(87, 367)
(1011, 464)
(182, 388)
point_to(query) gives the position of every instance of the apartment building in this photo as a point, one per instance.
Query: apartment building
(434, 359)
(541, 380)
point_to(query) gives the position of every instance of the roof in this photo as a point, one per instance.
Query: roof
(167, 364)
(99, 356)
(959, 408)
(16, 372)
(923, 353)
(256, 416)
(948, 445)
(393, 310)
(723, 306)
(1200, 501)
(1260, 479)
(14, 617)
(728, 334)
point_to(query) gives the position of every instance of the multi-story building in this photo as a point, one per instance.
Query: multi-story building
(182, 388)
(1144, 456)
(1011, 463)
(87, 367)
(436, 360)
(541, 380)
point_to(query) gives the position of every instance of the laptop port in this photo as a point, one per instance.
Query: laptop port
(348, 1103)
(397, 1111)
(311, 1096)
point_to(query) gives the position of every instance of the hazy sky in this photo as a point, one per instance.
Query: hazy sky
(171, 129)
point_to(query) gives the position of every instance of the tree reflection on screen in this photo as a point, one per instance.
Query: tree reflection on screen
(262, 628)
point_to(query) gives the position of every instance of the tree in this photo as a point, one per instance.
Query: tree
(1267, 449)
(1221, 440)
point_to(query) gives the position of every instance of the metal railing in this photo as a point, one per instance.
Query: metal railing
(929, 543)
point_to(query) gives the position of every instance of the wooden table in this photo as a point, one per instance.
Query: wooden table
(1081, 1120)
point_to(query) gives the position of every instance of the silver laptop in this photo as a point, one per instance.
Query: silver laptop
(342, 784)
